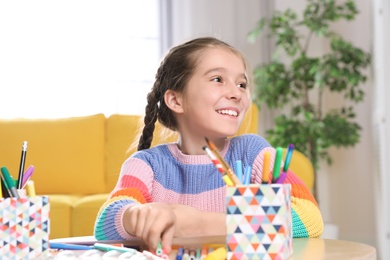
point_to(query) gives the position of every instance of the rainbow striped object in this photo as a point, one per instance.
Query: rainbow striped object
(24, 227)
(259, 221)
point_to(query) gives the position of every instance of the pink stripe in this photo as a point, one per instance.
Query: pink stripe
(207, 201)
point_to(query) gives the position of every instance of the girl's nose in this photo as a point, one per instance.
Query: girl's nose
(234, 92)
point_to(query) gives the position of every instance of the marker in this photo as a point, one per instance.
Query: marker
(9, 182)
(287, 161)
(247, 176)
(22, 163)
(159, 250)
(63, 246)
(239, 169)
(30, 188)
(277, 163)
(180, 252)
(5, 191)
(266, 167)
(106, 247)
(218, 254)
(281, 178)
(27, 175)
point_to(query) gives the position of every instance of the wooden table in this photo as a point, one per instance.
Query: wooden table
(303, 248)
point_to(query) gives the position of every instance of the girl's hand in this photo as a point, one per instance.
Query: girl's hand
(151, 222)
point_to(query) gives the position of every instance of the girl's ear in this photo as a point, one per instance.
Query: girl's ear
(174, 101)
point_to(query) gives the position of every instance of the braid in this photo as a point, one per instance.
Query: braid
(151, 111)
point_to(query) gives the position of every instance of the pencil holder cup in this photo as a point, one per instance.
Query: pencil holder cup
(259, 221)
(24, 227)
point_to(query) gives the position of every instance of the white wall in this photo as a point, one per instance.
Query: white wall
(346, 187)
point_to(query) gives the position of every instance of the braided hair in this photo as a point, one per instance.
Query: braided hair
(174, 73)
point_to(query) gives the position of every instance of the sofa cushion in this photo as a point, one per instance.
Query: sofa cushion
(122, 132)
(68, 153)
(84, 214)
(61, 208)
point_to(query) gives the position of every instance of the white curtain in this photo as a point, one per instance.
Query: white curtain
(381, 127)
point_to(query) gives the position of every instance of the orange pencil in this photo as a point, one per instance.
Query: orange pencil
(225, 165)
(266, 167)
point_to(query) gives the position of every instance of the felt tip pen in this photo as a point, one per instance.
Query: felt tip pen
(287, 161)
(247, 175)
(239, 170)
(9, 182)
(281, 178)
(218, 254)
(63, 246)
(277, 163)
(266, 167)
(27, 175)
(107, 247)
(30, 188)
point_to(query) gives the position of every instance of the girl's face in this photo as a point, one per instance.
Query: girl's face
(217, 96)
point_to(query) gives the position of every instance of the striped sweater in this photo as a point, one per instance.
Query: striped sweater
(164, 174)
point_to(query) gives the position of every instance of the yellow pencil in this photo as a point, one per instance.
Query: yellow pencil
(266, 167)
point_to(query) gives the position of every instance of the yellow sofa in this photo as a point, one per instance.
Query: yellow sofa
(77, 161)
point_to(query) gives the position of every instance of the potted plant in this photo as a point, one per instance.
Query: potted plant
(296, 84)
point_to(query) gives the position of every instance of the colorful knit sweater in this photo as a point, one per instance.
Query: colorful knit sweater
(164, 174)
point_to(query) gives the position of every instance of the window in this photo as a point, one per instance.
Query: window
(71, 58)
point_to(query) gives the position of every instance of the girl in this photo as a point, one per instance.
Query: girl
(201, 90)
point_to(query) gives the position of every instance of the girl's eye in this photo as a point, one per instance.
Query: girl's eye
(242, 85)
(217, 79)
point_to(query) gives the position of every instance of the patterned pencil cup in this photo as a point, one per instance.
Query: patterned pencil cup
(24, 227)
(259, 221)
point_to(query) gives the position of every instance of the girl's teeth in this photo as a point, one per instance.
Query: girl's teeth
(228, 112)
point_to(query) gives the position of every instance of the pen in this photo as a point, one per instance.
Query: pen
(63, 246)
(226, 166)
(266, 167)
(27, 175)
(22, 163)
(247, 176)
(106, 247)
(219, 166)
(9, 182)
(239, 170)
(287, 161)
(5, 193)
(30, 188)
(282, 177)
(277, 163)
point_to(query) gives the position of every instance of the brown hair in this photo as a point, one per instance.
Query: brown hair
(174, 73)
